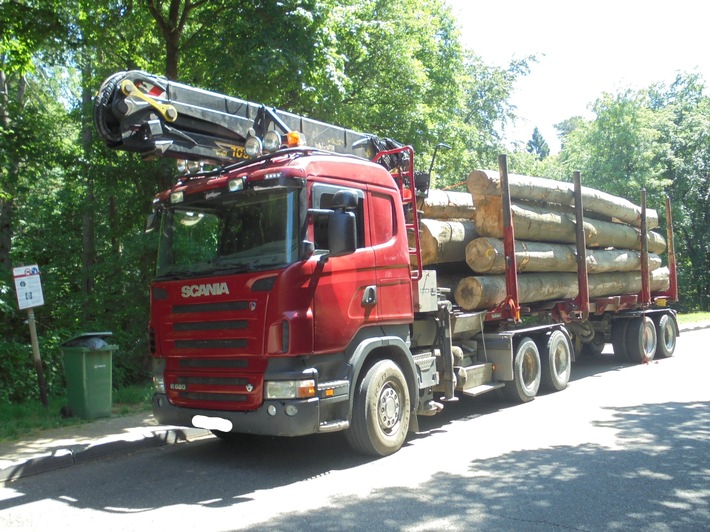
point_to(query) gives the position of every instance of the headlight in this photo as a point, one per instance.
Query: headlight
(272, 141)
(253, 147)
(159, 375)
(301, 389)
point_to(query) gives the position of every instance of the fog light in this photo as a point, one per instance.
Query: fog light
(271, 410)
(291, 410)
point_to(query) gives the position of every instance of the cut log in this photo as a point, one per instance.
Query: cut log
(447, 205)
(487, 256)
(487, 183)
(545, 225)
(487, 291)
(444, 241)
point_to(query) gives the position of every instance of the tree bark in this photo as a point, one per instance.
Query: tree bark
(487, 183)
(444, 241)
(545, 225)
(484, 292)
(446, 205)
(487, 256)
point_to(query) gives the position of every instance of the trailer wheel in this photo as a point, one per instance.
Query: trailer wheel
(618, 338)
(526, 373)
(641, 340)
(380, 418)
(667, 332)
(556, 362)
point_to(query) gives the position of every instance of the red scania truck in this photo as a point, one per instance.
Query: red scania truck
(288, 299)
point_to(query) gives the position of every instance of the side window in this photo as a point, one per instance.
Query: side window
(383, 228)
(322, 196)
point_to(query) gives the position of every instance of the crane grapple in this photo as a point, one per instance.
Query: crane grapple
(151, 115)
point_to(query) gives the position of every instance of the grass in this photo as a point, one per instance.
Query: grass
(29, 418)
(693, 317)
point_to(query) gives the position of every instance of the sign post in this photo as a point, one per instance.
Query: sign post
(28, 288)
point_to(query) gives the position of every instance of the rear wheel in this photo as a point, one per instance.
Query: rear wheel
(667, 330)
(641, 340)
(526, 373)
(380, 418)
(556, 362)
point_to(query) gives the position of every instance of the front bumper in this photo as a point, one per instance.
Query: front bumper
(297, 417)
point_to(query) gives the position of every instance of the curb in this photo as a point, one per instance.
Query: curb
(79, 454)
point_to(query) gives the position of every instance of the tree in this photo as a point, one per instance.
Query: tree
(537, 145)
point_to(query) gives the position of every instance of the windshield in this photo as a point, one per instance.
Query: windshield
(252, 231)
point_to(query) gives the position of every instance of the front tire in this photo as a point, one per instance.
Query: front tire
(380, 418)
(526, 373)
(556, 359)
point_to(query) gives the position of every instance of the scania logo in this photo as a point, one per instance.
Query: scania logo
(197, 290)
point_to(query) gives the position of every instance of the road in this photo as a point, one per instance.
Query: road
(624, 447)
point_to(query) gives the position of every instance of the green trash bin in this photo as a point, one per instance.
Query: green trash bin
(88, 371)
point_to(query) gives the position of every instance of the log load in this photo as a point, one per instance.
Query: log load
(486, 255)
(487, 291)
(444, 241)
(543, 224)
(487, 183)
(447, 205)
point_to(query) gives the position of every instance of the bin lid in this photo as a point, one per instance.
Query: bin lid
(94, 340)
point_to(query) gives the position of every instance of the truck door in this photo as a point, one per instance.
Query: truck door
(340, 285)
(389, 243)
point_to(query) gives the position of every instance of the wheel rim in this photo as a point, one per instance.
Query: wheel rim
(530, 369)
(389, 408)
(649, 338)
(668, 336)
(561, 359)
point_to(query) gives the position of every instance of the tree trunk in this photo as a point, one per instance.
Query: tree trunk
(487, 256)
(483, 292)
(444, 240)
(445, 205)
(545, 225)
(487, 183)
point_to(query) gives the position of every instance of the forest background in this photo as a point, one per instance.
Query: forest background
(394, 68)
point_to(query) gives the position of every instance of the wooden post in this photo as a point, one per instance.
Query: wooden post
(36, 358)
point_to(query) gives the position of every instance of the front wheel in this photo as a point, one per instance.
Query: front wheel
(380, 418)
(526, 373)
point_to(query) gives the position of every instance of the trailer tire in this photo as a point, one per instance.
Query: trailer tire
(667, 332)
(526, 373)
(381, 410)
(618, 338)
(556, 362)
(641, 341)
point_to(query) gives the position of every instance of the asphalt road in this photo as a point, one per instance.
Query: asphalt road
(624, 447)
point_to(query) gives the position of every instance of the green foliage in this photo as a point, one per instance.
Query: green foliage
(538, 146)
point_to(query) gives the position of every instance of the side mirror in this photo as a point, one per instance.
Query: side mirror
(342, 225)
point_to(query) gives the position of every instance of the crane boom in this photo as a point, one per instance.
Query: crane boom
(151, 115)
